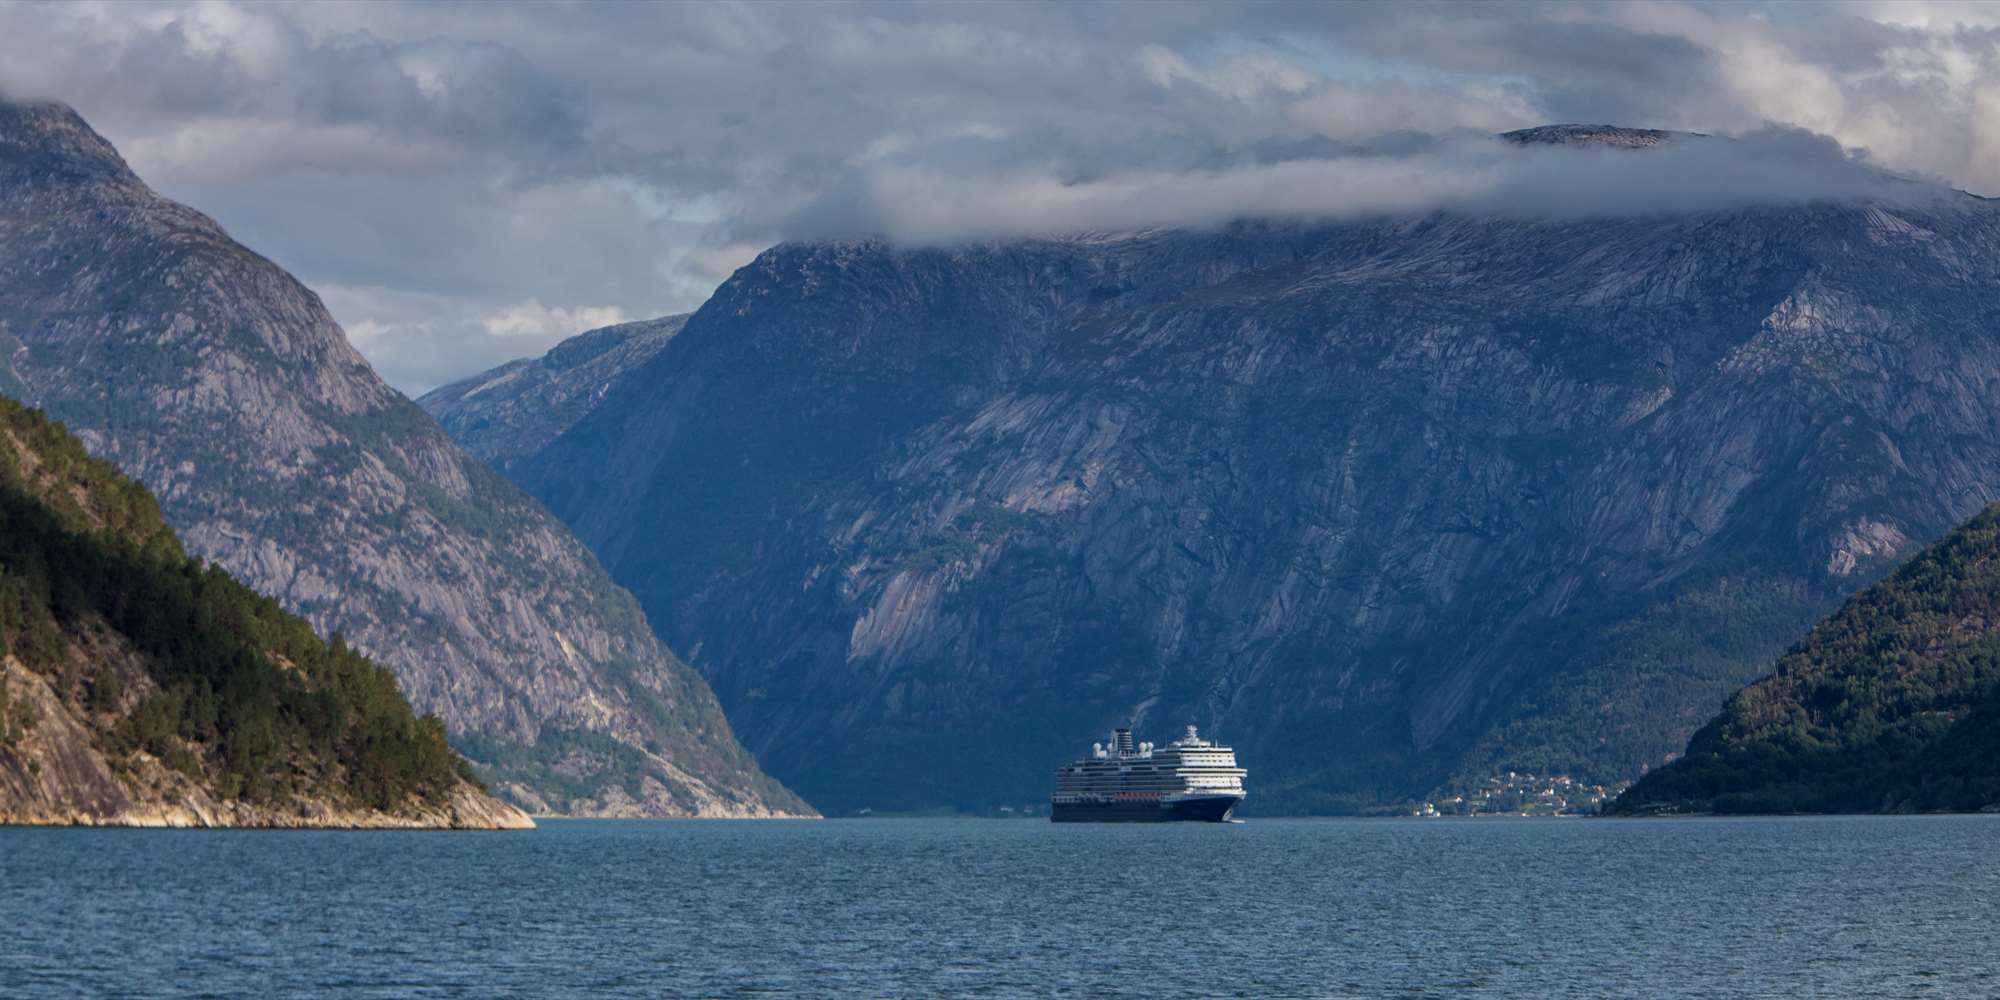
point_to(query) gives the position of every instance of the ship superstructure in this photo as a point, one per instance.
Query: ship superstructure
(1188, 779)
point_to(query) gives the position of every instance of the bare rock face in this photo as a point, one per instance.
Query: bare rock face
(219, 381)
(1385, 504)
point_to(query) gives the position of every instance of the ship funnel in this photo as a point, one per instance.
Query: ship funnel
(1124, 741)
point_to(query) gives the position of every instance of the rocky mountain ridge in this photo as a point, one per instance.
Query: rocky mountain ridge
(222, 383)
(1595, 135)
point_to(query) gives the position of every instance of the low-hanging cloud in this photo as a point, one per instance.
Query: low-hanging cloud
(920, 203)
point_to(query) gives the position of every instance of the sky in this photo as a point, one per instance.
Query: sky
(467, 184)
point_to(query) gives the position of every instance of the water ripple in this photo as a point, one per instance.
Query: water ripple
(1367, 908)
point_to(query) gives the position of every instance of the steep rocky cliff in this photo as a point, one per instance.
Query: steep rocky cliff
(138, 687)
(1890, 705)
(1388, 504)
(218, 380)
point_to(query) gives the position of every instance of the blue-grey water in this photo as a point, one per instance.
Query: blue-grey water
(1840, 907)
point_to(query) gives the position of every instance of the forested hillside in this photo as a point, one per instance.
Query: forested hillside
(1892, 704)
(142, 684)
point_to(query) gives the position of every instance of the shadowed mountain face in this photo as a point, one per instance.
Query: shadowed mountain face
(212, 376)
(1384, 504)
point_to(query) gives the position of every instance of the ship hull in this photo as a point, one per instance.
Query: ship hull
(1204, 809)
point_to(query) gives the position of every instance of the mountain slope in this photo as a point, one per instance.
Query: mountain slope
(138, 686)
(518, 408)
(1388, 504)
(1891, 704)
(211, 375)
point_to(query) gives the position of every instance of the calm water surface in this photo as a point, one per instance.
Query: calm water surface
(917, 908)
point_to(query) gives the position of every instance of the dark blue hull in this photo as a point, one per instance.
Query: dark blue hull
(1208, 809)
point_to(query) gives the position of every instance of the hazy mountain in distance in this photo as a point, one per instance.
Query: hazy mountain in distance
(519, 407)
(214, 377)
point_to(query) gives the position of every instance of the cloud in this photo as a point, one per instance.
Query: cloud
(434, 165)
(535, 320)
(1240, 78)
(1363, 111)
(429, 340)
(1479, 175)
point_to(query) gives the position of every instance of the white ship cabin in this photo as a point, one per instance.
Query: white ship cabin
(1125, 768)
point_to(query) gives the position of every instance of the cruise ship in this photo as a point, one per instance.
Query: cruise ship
(1188, 779)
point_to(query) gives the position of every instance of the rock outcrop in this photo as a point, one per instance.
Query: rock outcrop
(1596, 135)
(219, 381)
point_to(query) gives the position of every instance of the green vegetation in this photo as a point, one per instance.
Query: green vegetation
(1892, 704)
(241, 693)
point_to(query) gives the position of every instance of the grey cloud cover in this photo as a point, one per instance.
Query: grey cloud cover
(470, 183)
(923, 204)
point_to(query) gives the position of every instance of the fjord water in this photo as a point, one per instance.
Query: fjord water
(1832, 907)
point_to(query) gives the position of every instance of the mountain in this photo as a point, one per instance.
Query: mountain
(139, 686)
(518, 408)
(211, 375)
(1890, 705)
(1388, 504)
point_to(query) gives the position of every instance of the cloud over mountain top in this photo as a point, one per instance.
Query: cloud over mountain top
(433, 166)
(917, 202)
